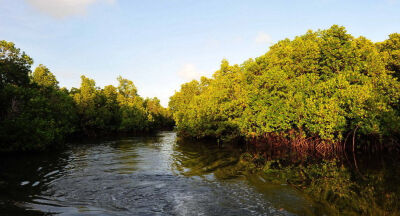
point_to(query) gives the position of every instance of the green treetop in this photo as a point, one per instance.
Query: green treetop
(43, 77)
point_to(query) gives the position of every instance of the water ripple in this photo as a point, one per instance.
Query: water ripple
(140, 176)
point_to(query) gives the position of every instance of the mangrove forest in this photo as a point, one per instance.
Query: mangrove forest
(311, 127)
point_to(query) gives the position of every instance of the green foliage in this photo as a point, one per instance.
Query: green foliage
(88, 106)
(211, 107)
(390, 49)
(117, 109)
(35, 113)
(41, 117)
(161, 117)
(182, 106)
(134, 115)
(321, 84)
(14, 65)
(43, 77)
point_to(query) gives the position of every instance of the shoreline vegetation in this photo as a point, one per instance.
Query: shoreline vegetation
(310, 112)
(320, 95)
(36, 114)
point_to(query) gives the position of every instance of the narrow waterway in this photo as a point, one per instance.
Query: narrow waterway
(153, 175)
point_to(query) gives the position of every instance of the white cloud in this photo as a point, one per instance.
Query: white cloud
(189, 72)
(263, 38)
(64, 8)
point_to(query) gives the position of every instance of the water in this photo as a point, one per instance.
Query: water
(141, 176)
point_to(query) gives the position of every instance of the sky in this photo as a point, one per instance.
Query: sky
(161, 44)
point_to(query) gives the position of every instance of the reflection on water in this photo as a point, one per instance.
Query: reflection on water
(204, 159)
(141, 176)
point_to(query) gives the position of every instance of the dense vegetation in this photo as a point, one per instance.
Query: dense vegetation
(309, 94)
(36, 113)
(321, 95)
(318, 94)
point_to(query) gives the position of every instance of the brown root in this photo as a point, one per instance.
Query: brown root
(295, 146)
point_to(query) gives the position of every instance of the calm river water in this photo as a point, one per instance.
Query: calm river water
(141, 176)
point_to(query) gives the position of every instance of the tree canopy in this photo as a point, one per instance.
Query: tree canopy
(35, 113)
(321, 84)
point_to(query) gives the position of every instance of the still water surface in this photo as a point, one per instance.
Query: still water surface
(142, 176)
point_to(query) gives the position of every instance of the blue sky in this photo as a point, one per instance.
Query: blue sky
(160, 44)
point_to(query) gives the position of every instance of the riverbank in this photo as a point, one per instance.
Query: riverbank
(37, 114)
(319, 95)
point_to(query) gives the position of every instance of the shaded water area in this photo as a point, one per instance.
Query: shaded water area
(153, 175)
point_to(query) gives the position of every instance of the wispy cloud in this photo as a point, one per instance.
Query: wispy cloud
(189, 72)
(263, 38)
(64, 8)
